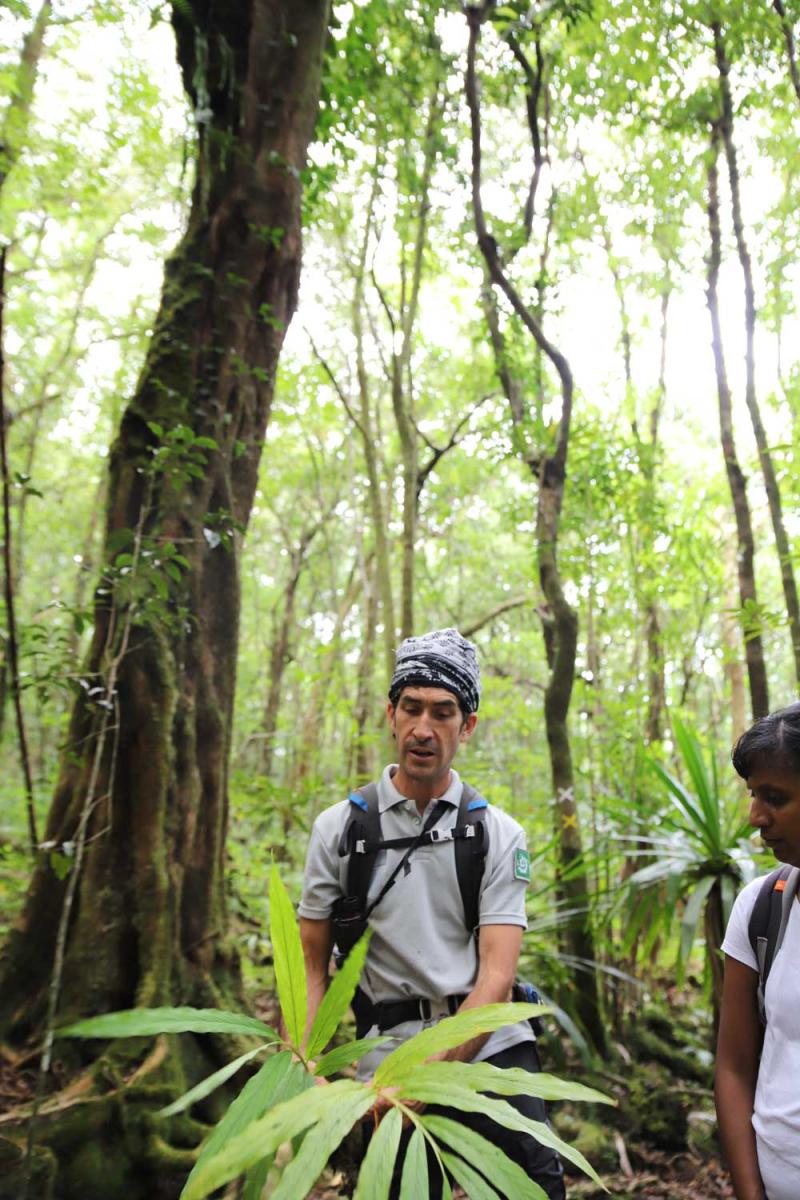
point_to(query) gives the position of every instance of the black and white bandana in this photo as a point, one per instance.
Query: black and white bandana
(442, 659)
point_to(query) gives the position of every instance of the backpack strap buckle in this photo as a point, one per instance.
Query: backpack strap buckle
(440, 835)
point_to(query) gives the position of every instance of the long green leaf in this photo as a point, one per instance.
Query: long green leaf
(375, 1176)
(318, 1145)
(278, 1080)
(144, 1022)
(337, 998)
(256, 1180)
(262, 1137)
(709, 802)
(483, 1077)
(209, 1084)
(343, 1056)
(691, 914)
(414, 1182)
(507, 1175)
(473, 1184)
(681, 798)
(290, 975)
(728, 889)
(503, 1114)
(452, 1031)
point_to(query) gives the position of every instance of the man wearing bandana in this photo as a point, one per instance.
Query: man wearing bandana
(423, 962)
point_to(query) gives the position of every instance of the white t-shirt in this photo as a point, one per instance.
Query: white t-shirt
(420, 945)
(776, 1111)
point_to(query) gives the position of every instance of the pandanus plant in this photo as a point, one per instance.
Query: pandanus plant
(697, 860)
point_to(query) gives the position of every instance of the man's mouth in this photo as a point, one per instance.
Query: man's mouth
(420, 752)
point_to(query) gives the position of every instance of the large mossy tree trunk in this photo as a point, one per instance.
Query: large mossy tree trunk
(142, 797)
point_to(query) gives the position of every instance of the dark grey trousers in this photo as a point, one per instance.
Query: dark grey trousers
(540, 1163)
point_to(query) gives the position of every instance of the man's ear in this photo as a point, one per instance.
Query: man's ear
(390, 714)
(469, 724)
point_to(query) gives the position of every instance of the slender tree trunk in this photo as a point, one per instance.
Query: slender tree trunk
(731, 643)
(278, 661)
(559, 620)
(748, 599)
(656, 683)
(765, 458)
(788, 37)
(279, 652)
(362, 754)
(18, 112)
(144, 799)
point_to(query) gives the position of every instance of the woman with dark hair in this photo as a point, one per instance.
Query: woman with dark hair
(757, 1087)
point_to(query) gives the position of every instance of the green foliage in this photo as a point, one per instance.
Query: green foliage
(703, 844)
(280, 1103)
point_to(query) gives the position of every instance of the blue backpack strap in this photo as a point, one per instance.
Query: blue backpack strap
(768, 923)
(363, 825)
(471, 853)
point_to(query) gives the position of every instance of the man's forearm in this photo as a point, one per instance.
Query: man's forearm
(490, 988)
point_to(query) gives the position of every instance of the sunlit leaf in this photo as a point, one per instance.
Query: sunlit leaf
(342, 1056)
(414, 1180)
(337, 998)
(504, 1114)
(506, 1175)
(473, 1184)
(452, 1031)
(375, 1176)
(262, 1137)
(279, 1079)
(209, 1084)
(290, 975)
(144, 1022)
(319, 1143)
(482, 1076)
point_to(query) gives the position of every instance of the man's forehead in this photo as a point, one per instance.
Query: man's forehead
(427, 695)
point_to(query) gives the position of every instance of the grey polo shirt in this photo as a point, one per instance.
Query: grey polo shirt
(420, 945)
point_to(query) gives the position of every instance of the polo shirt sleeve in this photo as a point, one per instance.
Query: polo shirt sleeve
(502, 899)
(737, 941)
(321, 879)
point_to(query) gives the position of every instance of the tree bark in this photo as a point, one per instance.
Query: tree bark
(788, 37)
(559, 620)
(151, 808)
(279, 651)
(15, 123)
(754, 651)
(765, 458)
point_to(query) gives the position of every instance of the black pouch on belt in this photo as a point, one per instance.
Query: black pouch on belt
(526, 993)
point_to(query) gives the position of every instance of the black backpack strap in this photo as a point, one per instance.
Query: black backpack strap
(471, 852)
(363, 824)
(768, 922)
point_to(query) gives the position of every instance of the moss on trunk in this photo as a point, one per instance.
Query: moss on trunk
(148, 922)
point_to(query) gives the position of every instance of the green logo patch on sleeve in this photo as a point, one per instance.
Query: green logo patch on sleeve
(522, 865)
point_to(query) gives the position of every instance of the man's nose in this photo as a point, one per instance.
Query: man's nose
(758, 815)
(422, 726)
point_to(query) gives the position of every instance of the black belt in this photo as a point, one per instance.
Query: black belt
(388, 1013)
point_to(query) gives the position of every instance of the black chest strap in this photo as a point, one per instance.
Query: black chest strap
(768, 922)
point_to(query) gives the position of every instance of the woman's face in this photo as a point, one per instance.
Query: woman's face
(775, 810)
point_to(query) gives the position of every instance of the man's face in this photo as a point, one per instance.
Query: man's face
(775, 810)
(429, 726)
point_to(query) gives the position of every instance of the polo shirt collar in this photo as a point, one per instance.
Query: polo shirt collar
(388, 795)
